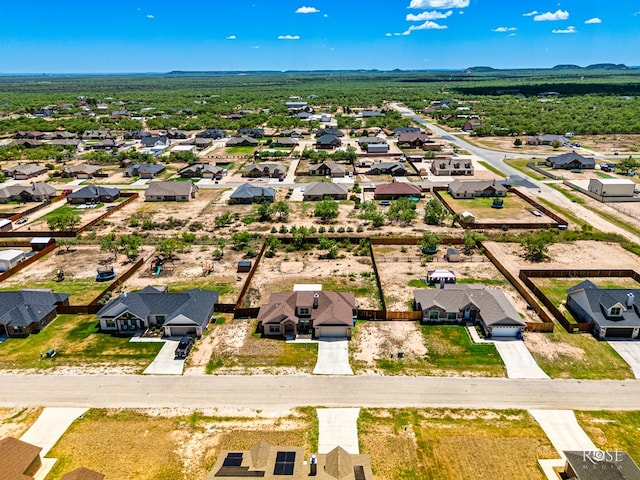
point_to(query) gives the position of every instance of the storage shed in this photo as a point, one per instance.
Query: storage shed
(453, 255)
(6, 225)
(612, 187)
(10, 258)
(244, 266)
(40, 243)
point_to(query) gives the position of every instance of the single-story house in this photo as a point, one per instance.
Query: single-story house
(328, 168)
(321, 190)
(471, 125)
(66, 142)
(94, 194)
(144, 170)
(107, 144)
(251, 132)
(188, 148)
(179, 314)
(248, 193)
(614, 311)
(200, 142)
(284, 142)
(83, 473)
(168, 191)
(82, 170)
(452, 167)
(271, 462)
(10, 257)
(370, 140)
(330, 131)
(571, 161)
(242, 141)
(136, 135)
(476, 188)
(273, 170)
(201, 170)
(328, 141)
(413, 139)
(32, 135)
(212, 133)
(35, 192)
(323, 314)
(547, 139)
(390, 168)
(399, 130)
(489, 308)
(377, 148)
(395, 190)
(612, 187)
(600, 465)
(20, 460)
(96, 135)
(293, 133)
(175, 134)
(24, 312)
(155, 141)
(25, 171)
(26, 143)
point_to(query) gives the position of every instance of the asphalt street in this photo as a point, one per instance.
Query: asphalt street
(282, 393)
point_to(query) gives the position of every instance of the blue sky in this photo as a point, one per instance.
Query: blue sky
(160, 35)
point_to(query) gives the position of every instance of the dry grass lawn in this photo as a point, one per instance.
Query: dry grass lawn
(130, 444)
(15, 421)
(453, 444)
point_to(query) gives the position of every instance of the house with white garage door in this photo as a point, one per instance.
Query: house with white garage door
(178, 314)
(614, 311)
(461, 304)
(321, 314)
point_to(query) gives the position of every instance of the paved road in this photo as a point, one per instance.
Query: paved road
(282, 393)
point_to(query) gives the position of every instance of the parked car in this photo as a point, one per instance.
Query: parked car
(184, 347)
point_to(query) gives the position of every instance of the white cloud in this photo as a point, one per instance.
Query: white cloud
(256, 46)
(231, 37)
(504, 29)
(512, 35)
(388, 35)
(530, 14)
(150, 16)
(307, 10)
(551, 17)
(289, 37)
(593, 20)
(566, 30)
(441, 4)
(428, 25)
(432, 15)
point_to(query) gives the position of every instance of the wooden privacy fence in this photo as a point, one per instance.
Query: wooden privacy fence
(247, 282)
(28, 261)
(131, 197)
(377, 275)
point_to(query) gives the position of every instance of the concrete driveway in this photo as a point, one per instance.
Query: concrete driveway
(338, 427)
(518, 359)
(629, 350)
(563, 430)
(333, 357)
(165, 362)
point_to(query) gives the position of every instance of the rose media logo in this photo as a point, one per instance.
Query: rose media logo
(600, 457)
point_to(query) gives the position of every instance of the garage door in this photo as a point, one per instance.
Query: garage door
(180, 331)
(331, 331)
(505, 331)
(619, 332)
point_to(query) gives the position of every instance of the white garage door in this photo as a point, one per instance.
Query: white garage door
(331, 331)
(180, 331)
(505, 331)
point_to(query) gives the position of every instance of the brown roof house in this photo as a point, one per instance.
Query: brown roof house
(460, 304)
(388, 168)
(36, 192)
(413, 139)
(476, 188)
(82, 170)
(168, 191)
(328, 168)
(328, 141)
(83, 473)
(273, 462)
(323, 314)
(20, 460)
(25, 171)
(321, 190)
(452, 167)
(395, 190)
(201, 170)
(273, 170)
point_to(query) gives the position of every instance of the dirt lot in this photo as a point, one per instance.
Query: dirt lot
(188, 269)
(400, 274)
(15, 421)
(185, 444)
(349, 274)
(79, 267)
(378, 340)
(579, 254)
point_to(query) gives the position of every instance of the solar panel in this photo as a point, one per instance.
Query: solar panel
(285, 461)
(233, 460)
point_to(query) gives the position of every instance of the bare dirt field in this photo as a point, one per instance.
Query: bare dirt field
(15, 421)
(195, 268)
(400, 274)
(378, 340)
(570, 255)
(349, 274)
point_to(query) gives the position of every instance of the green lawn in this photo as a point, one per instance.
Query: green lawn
(204, 283)
(81, 290)
(450, 351)
(521, 165)
(240, 150)
(481, 207)
(613, 431)
(78, 343)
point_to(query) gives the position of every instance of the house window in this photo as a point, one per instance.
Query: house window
(110, 324)
(434, 315)
(615, 311)
(160, 319)
(451, 315)
(274, 329)
(304, 311)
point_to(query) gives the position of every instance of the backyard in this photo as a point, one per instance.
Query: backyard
(515, 209)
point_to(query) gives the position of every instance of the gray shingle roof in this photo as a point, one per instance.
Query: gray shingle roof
(600, 300)
(25, 307)
(248, 190)
(94, 192)
(170, 189)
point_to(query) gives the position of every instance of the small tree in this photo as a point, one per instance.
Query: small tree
(327, 210)
(434, 212)
(109, 243)
(430, 241)
(536, 246)
(517, 142)
(241, 240)
(471, 240)
(264, 212)
(130, 245)
(168, 247)
(282, 209)
(67, 243)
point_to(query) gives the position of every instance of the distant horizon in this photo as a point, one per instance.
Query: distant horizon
(309, 35)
